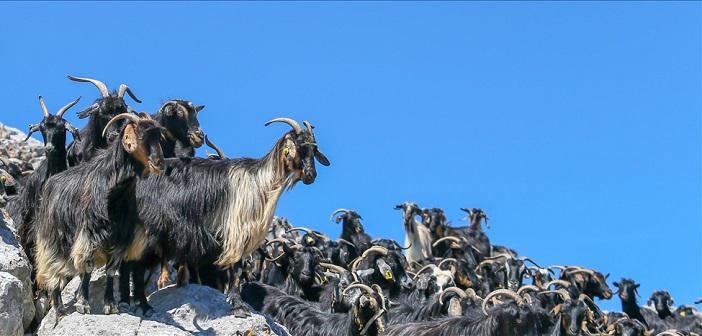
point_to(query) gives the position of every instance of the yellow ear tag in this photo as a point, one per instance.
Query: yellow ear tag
(286, 151)
(388, 275)
(3, 178)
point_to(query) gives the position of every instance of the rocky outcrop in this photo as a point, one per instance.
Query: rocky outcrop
(27, 154)
(189, 310)
(11, 311)
(14, 262)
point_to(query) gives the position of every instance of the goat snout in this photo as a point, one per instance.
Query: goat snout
(196, 138)
(309, 176)
(156, 164)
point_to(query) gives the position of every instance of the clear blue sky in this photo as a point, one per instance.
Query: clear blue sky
(576, 126)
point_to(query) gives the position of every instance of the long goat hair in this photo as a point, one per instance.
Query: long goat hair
(88, 214)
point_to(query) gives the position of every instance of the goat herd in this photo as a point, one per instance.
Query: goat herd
(129, 194)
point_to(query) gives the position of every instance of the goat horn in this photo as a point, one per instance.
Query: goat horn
(100, 85)
(299, 228)
(561, 292)
(672, 332)
(447, 260)
(529, 260)
(374, 249)
(451, 238)
(581, 270)
(421, 270)
(561, 283)
(354, 264)
(506, 292)
(65, 108)
(333, 267)
(44, 110)
(295, 126)
(358, 285)
(344, 241)
(498, 256)
(309, 128)
(129, 116)
(213, 146)
(124, 88)
(456, 290)
(331, 217)
(527, 287)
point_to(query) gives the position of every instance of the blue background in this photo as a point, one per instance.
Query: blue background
(576, 126)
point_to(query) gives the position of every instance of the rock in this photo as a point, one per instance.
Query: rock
(77, 324)
(14, 261)
(193, 309)
(11, 297)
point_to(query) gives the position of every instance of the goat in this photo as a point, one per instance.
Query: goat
(513, 317)
(183, 132)
(366, 317)
(23, 209)
(93, 136)
(378, 265)
(301, 270)
(628, 291)
(417, 236)
(223, 208)
(352, 229)
(589, 282)
(88, 215)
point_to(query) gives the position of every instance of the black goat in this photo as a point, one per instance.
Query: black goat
(300, 273)
(22, 209)
(302, 318)
(352, 229)
(589, 282)
(378, 265)
(512, 317)
(628, 291)
(88, 212)
(93, 136)
(223, 208)
(183, 132)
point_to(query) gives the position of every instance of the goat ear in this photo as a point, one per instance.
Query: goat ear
(199, 108)
(321, 158)
(129, 139)
(616, 284)
(454, 308)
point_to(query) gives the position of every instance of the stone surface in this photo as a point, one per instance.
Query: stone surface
(11, 311)
(189, 310)
(14, 261)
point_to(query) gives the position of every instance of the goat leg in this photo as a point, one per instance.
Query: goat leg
(165, 277)
(183, 275)
(82, 304)
(57, 302)
(125, 270)
(239, 308)
(142, 307)
(110, 307)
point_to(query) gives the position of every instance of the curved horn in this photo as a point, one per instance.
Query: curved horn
(456, 290)
(451, 238)
(581, 270)
(331, 217)
(333, 267)
(309, 128)
(561, 292)
(561, 283)
(505, 292)
(44, 110)
(129, 116)
(526, 288)
(100, 85)
(295, 126)
(299, 228)
(447, 260)
(524, 258)
(421, 270)
(374, 249)
(65, 108)
(124, 88)
(344, 241)
(358, 285)
(213, 146)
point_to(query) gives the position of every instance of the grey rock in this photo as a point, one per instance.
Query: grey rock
(10, 305)
(77, 324)
(14, 261)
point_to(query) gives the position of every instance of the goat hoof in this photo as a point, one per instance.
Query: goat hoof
(110, 308)
(241, 312)
(82, 307)
(142, 309)
(124, 307)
